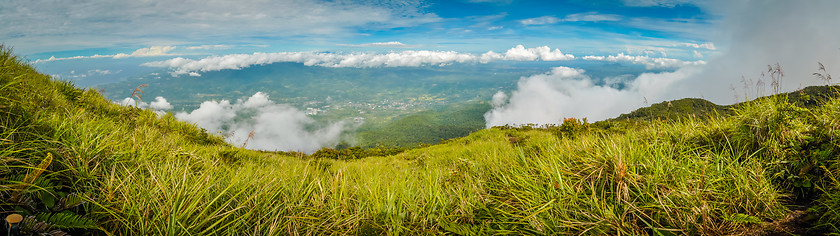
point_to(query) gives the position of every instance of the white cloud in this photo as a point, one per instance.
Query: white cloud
(130, 102)
(706, 45)
(209, 47)
(495, 27)
(275, 126)
(520, 53)
(153, 51)
(648, 62)
(181, 65)
(100, 72)
(592, 17)
(160, 104)
(567, 92)
(577, 17)
(392, 44)
(543, 20)
(657, 3)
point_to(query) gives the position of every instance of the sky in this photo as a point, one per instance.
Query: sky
(718, 50)
(43, 29)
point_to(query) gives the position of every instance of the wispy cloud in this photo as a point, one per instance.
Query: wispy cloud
(154, 51)
(491, 1)
(592, 17)
(542, 20)
(209, 47)
(657, 3)
(706, 45)
(577, 17)
(392, 44)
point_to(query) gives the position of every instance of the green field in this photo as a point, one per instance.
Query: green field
(74, 162)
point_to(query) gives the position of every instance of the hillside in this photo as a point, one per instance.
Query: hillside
(75, 162)
(809, 97)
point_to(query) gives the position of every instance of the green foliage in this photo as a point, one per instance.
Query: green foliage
(676, 110)
(429, 127)
(356, 152)
(67, 221)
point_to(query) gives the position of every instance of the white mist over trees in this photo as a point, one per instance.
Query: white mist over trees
(567, 92)
(275, 126)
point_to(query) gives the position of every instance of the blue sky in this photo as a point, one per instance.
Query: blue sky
(43, 29)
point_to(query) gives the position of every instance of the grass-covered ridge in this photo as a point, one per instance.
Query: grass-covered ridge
(125, 171)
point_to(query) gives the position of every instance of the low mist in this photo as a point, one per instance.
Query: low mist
(274, 126)
(567, 92)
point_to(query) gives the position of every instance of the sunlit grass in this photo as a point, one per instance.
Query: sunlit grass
(145, 174)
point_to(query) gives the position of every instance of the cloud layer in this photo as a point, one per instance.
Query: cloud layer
(648, 62)
(274, 126)
(181, 65)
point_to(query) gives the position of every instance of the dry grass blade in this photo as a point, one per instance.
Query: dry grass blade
(138, 92)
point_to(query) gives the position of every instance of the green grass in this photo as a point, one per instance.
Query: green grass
(132, 172)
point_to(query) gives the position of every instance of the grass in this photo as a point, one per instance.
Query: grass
(133, 172)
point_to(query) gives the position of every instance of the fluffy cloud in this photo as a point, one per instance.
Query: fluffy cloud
(567, 92)
(359, 60)
(648, 62)
(274, 126)
(520, 53)
(159, 105)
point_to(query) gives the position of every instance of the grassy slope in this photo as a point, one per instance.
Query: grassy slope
(143, 174)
